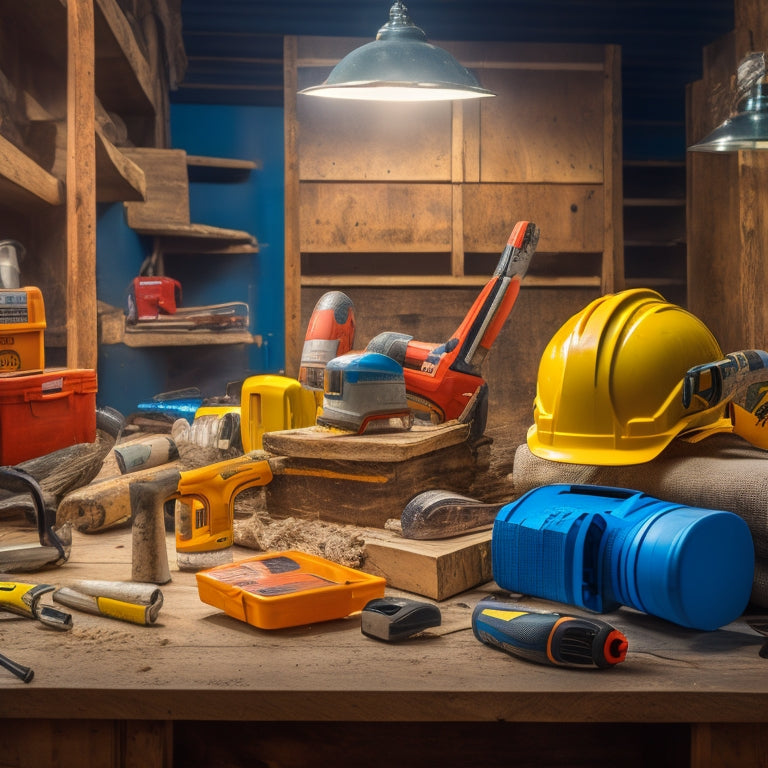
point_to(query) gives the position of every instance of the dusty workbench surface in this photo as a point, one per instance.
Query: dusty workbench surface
(198, 663)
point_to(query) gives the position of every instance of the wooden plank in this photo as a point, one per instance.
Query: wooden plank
(123, 79)
(543, 126)
(117, 177)
(219, 169)
(436, 281)
(749, 16)
(82, 329)
(728, 745)
(365, 218)
(352, 140)
(326, 51)
(24, 182)
(434, 569)
(146, 744)
(167, 189)
(294, 331)
(221, 163)
(188, 338)
(64, 744)
(613, 224)
(331, 673)
(203, 233)
(319, 442)
(570, 216)
(366, 493)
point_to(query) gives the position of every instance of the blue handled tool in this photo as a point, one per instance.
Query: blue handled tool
(548, 638)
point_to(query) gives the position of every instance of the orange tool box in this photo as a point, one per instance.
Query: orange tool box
(43, 412)
(287, 589)
(22, 325)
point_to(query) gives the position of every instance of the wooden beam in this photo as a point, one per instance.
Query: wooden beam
(293, 334)
(82, 332)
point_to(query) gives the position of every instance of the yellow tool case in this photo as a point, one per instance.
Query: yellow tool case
(22, 326)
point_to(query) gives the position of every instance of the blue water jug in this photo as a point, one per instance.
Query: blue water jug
(599, 548)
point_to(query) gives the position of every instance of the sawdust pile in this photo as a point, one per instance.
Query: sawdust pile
(339, 544)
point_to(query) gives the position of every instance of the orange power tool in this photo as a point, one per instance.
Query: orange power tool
(443, 379)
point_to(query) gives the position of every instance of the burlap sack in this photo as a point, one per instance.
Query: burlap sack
(720, 472)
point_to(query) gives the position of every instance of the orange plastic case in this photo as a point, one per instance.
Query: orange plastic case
(43, 412)
(287, 589)
(22, 325)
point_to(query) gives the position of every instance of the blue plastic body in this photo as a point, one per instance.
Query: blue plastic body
(598, 548)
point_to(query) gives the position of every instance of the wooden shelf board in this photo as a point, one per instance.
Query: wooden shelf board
(201, 232)
(23, 181)
(188, 338)
(440, 281)
(654, 282)
(124, 82)
(653, 243)
(654, 164)
(654, 202)
(117, 177)
(219, 169)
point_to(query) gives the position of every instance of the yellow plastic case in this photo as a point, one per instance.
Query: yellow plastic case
(22, 328)
(272, 403)
(287, 589)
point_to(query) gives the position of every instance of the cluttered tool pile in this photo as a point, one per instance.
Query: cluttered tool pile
(631, 387)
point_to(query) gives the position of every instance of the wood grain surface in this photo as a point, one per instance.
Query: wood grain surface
(198, 663)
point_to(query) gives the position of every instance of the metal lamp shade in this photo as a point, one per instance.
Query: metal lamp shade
(747, 127)
(400, 65)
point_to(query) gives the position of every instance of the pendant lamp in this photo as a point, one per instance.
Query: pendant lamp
(747, 127)
(400, 65)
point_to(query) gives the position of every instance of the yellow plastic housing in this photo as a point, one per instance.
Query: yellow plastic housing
(22, 329)
(271, 403)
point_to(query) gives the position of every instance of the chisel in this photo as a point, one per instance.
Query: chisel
(557, 639)
(137, 603)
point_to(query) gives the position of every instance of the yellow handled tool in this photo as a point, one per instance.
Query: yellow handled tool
(137, 603)
(24, 600)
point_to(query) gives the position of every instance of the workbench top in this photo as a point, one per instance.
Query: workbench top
(197, 663)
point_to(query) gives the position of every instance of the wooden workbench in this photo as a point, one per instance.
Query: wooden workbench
(200, 688)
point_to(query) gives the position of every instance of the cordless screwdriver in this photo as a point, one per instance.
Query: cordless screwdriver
(548, 638)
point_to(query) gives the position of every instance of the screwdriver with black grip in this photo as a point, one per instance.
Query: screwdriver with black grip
(557, 639)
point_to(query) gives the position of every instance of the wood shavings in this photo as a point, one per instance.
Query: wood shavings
(339, 544)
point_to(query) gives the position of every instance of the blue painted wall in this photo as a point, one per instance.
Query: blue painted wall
(128, 376)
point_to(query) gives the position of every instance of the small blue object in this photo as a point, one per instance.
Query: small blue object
(599, 548)
(179, 409)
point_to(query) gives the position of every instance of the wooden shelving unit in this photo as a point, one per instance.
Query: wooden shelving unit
(654, 227)
(164, 214)
(407, 207)
(62, 62)
(388, 195)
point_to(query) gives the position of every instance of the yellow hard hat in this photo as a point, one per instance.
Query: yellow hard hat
(609, 389)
